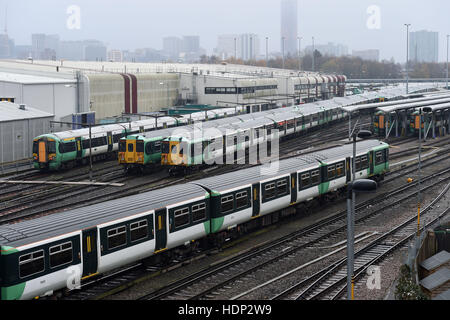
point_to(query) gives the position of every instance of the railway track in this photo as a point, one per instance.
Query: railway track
(217, 281)
(330, 283)
(122, 282)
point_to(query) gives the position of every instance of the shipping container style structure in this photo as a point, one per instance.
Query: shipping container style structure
(19, 124)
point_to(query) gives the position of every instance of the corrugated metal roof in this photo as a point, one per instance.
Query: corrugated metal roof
(435, 261)
(11, 111)
(437, 279)
(32, 79)
(443, 296)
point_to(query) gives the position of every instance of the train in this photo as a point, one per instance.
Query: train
(67, 149)
(50, 254)
(224, 144)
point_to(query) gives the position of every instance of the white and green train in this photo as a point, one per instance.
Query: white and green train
(56, 252)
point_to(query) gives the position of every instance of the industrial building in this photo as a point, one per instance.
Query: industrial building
(19, 124)
(112, 89)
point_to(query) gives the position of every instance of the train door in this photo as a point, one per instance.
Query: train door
(110, 141)
(161, 230)
(256, 201)
(371, 162)
(293, 187)
(89, 246)
(78, 148)
(42, 151)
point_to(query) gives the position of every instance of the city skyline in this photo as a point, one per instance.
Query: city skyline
(151, 23)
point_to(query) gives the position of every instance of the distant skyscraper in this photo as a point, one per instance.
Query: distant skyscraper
(289, 25)
(191, 44)
(424, 46)
(248, 46)
(225, 45)
(172, 46)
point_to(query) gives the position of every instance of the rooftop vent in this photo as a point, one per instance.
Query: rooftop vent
(22, 107)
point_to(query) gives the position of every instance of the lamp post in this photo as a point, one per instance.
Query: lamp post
(407, 56)
(168, 98)
(363, 185)
(299, 50)
(360, 186)
(425, 109)
(313, 49)
(447, 64)
(267, 51)
(283, 39)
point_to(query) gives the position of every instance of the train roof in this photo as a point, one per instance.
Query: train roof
(435, 104)
(258, 173)
(22, 233)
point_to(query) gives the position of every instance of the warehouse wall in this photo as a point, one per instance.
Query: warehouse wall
(106, 94)
(16, 137)
(152, 95)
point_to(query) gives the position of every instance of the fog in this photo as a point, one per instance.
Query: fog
(135, 24)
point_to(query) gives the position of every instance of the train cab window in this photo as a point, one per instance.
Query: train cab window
(35, 146)
(269, 190)
(60, 254)
(165, 147)
(340, 172)
(51, 147)
(130, 147)
(181, 217)
(315, 177)
(241, 200)
(140, 146)
(226, 203)
(198, 212)
(148, 148)
(305, 180)
(31, 263)
(174, 149)
(331, 172)
(122, 146)
(282, 187)
(138, 230)
(117, 237)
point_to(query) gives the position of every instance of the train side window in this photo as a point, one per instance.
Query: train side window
(364, 162)
(241, 200)
(60, 254)
(138, 230)
(269, 190)
(340, 172)
(198, 212)
(157, 147)
(181, 217)
(227, 203)
(331, 172)
(315, 177)
(117, 237)
(148, 148)
(31, 263)
(379, 157)
(282, 188)
(305, 180)
(358, 164)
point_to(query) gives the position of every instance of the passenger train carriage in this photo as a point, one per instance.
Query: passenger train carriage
(48, 254)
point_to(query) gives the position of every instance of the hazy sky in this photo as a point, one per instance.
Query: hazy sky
(131, 24)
